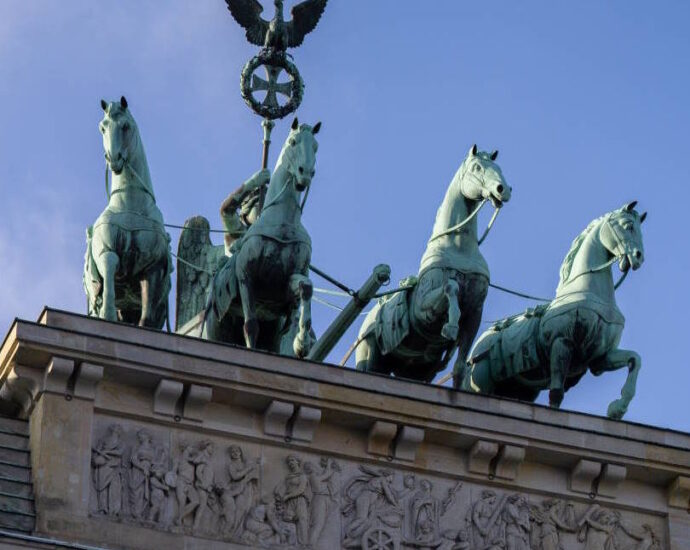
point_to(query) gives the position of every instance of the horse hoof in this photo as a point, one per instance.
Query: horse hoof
(616, 410)
(450, 332)
(301, 347)
(556, 398)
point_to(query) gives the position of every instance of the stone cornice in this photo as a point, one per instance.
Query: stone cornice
(425, 420)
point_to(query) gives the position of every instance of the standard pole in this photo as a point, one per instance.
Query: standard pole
(267, 125)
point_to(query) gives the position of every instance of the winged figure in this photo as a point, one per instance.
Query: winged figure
(277, 33)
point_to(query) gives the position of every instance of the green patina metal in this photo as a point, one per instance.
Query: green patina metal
(554, 345)
(255, 289)
(413, 333)
(127, 265)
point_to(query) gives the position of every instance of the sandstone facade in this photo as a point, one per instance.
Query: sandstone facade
(142, 439)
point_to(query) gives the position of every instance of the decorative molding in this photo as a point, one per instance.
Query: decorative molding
(57, 375)
(304, 423)
(583, 475)
(276, 418)
(166, 397)
(407, 442)
(679, 493)
(195, 401)
(480, 456)
(380, 438)
(509, 460)
(612, 475)
(88, 375)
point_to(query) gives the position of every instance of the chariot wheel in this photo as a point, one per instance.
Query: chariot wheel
(378, 538)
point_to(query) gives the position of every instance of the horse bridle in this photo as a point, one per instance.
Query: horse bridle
(456, 228)
(621, 250)
(128, 166)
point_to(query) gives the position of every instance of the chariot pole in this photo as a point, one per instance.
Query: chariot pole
(324, 345)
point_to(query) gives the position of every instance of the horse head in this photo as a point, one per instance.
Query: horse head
(621, 234)
(300, 153)
(481, 178)
(119, 134)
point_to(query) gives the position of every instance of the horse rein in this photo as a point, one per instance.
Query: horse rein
(142, 186)
(622, 251)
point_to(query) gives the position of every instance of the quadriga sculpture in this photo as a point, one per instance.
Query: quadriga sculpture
(127, 265)
(263, 288)
(553, 345)
(413, 333)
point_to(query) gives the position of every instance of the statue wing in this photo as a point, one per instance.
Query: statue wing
(248, 14)
(196, 261)
(305, 16)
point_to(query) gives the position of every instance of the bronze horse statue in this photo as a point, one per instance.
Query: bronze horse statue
(552, 347)
(127, 265)
(413, 333)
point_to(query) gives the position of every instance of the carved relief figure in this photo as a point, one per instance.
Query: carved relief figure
(183, 481)
(517, 523)
(644, 537)
(370, 500)
(295, 495)
(324, 486)
(598, 529)
(141, 461)
(485, 527)
(554, 516)
(265, 527)
(107, 471)
(203, 483)
(160, 510)
(425, 514)
(242, 491)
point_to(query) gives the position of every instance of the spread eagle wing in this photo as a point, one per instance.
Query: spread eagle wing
(305, 16)
(197, 260)
(248, 14)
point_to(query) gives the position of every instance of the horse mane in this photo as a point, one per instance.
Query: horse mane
(567, 265)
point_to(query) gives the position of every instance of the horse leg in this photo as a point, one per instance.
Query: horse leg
(560, 359)
(477, 378)
(107, 264)
(368, 357)
(301, 288)
(153, 298)
(614, 360)
(450, 330)
(251, 323)
(469, 325)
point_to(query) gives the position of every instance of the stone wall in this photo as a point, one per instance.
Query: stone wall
(142, 439)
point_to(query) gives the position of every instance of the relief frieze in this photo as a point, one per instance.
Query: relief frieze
(263, 497)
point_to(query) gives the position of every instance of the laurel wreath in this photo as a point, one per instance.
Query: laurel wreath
(273, 59)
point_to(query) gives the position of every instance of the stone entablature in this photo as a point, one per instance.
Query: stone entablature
(142, 439)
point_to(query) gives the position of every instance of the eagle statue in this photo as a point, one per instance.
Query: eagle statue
(277, 34)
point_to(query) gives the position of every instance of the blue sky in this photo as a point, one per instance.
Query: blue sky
(586, 101)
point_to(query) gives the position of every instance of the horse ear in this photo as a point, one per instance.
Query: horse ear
(630, 206)
(494, 155)
(643, 217)
(316, 128)
(295, 124)
(104, 105)
(123, 102)
(473, 151)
